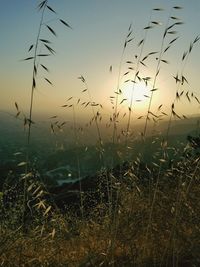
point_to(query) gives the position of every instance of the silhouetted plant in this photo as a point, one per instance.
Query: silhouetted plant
(38, 54)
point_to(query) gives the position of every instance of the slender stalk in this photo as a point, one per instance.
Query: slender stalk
(77, 159)
(134, 81)
(178, 206)
(152, 205)
(31, 114)
(115, 113)
(34, 74)
(95, 116)
(117, 99)
(156, 74)
(146, 121)
(178, 87)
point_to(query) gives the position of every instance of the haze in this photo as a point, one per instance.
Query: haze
(93, 45)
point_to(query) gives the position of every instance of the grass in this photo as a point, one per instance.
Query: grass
(68, 240)
(132, 212)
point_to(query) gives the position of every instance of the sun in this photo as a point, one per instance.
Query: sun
(138, 92)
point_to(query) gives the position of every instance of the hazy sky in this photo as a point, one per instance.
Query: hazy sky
(94, 44)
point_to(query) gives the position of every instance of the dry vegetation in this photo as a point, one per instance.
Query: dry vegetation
(144, 215)
(137, 233)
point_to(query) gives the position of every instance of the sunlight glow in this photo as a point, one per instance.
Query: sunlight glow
(140, 92)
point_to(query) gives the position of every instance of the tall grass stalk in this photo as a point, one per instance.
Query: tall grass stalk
(115, 115)
(95, 115)
(182, 194)
(152, 208)
(163, 145)
(142, 43)
(100, 143)
(174, 225)
(180, 80)
(167, 30)
(34, 74)
(78, 160)
(42, 6)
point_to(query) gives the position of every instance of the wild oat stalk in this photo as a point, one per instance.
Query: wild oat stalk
(77, 159)
(160, 59)
(115, 115)
(95, 114)
(42, 7)
(182, 195)
(180, 80)
(95, 118)
(137, 69)
(167, 31)
(76, 142)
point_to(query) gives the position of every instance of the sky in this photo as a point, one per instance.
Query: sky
(95, 42)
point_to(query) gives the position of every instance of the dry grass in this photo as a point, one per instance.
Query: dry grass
(67, 240)
(150, 216)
